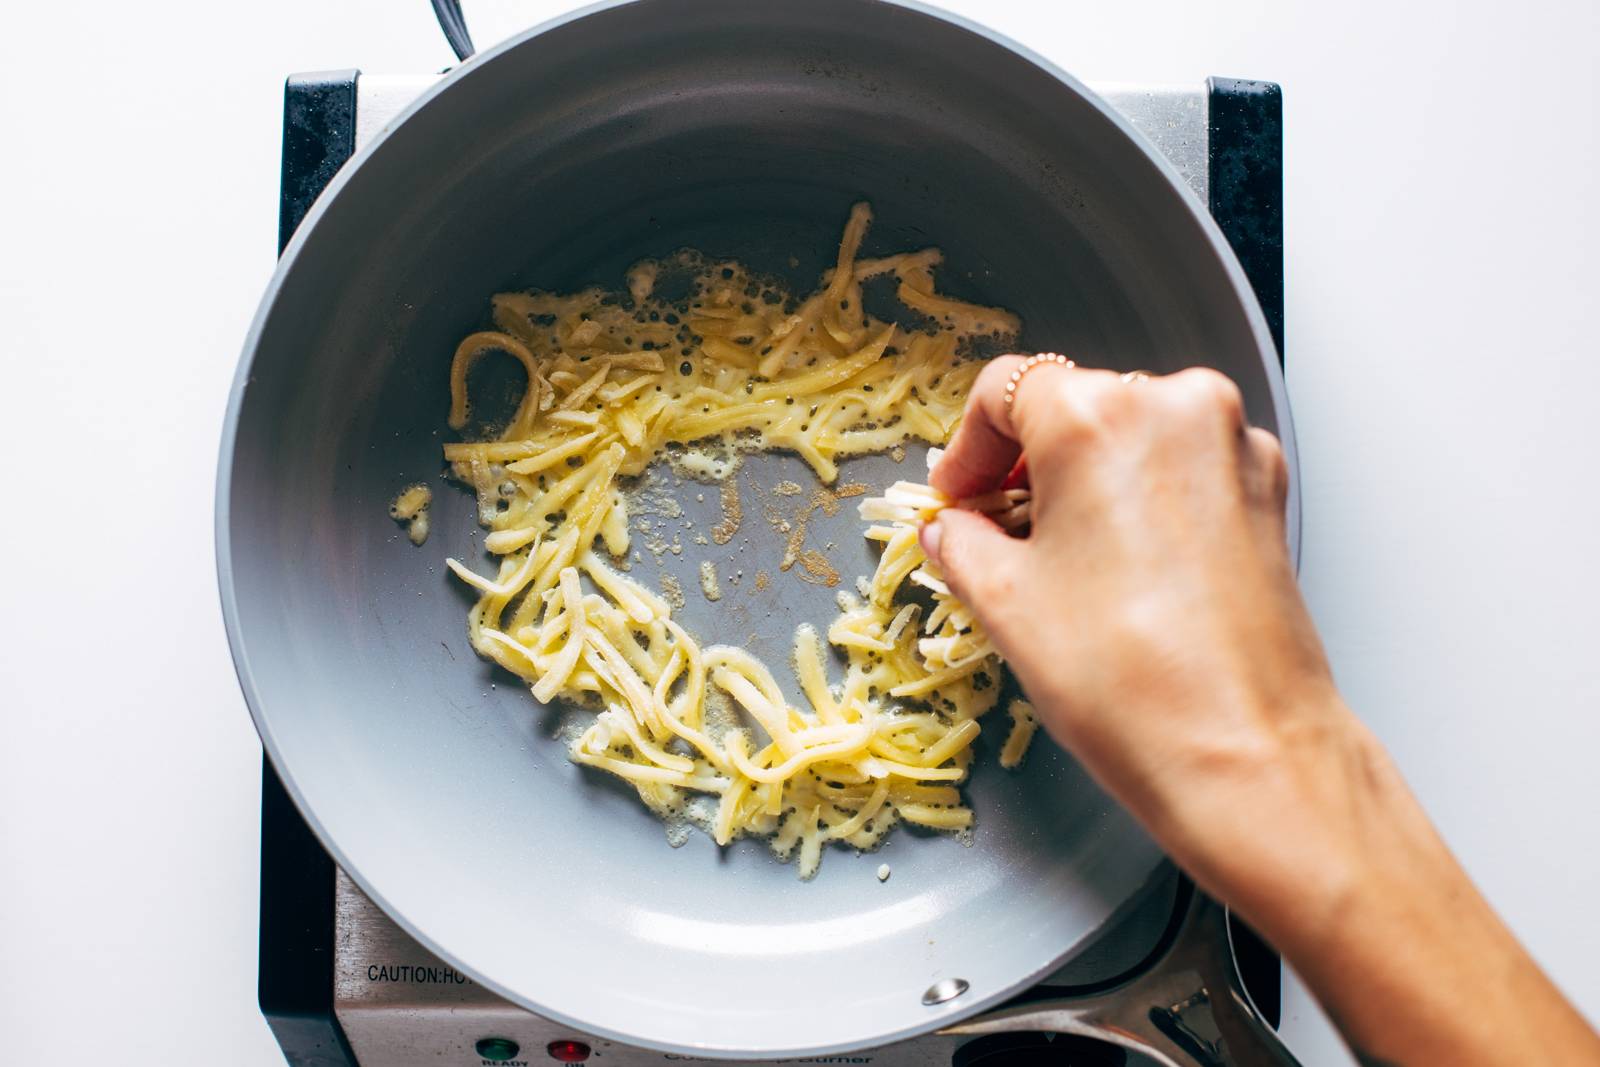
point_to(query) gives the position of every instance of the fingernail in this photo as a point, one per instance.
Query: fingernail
(930, 535)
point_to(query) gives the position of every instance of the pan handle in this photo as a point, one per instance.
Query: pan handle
(454, 25)
(1189, 1009)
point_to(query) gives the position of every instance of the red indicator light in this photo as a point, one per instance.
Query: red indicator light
(568, 1051)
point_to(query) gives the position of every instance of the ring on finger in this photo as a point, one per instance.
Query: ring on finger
(1133, 376)
(1038, 359)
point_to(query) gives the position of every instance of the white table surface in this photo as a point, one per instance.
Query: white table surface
(1442, 296)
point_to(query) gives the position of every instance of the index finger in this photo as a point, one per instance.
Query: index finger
(985, 447)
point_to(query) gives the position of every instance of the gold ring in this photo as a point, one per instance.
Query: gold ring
(1036, 360)
(1136, 376)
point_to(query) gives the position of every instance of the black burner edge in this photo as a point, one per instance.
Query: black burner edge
(1246, 172)
(319, 134)
(297, 876)
(295, 968)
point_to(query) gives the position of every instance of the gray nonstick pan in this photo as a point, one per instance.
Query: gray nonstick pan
(554, 161)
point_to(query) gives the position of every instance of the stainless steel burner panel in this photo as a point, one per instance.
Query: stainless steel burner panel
(400, 1006)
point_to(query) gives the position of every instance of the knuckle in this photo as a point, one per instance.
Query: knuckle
(1097, 406)
(1114, 399)
(1266, 444)
(1076, 417)
(1212, 393)
(1277, 468)
(1269, 457)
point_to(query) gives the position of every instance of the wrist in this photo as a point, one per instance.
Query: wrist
(1280, 822)
(1332, 859)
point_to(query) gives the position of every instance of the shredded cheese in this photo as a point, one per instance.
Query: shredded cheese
(613, 381)
(411, 507)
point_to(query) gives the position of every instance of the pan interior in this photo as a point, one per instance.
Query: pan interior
(557, 161)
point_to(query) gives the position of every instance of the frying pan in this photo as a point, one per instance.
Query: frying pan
(554, 161)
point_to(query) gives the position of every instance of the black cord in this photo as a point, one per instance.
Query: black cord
(454, 27)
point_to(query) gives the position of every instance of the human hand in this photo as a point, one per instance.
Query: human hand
(1152, 617)
(1151, 614)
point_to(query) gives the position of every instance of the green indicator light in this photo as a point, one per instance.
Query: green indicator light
(497, 1048)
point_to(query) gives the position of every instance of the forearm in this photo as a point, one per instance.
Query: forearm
(1338, 866)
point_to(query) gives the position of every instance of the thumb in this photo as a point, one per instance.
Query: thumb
(977, 557)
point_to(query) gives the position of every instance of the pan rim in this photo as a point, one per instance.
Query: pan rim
(1225, 259)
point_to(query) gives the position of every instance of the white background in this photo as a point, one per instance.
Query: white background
(1442, 295)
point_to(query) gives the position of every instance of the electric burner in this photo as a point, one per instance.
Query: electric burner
(342, 985)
